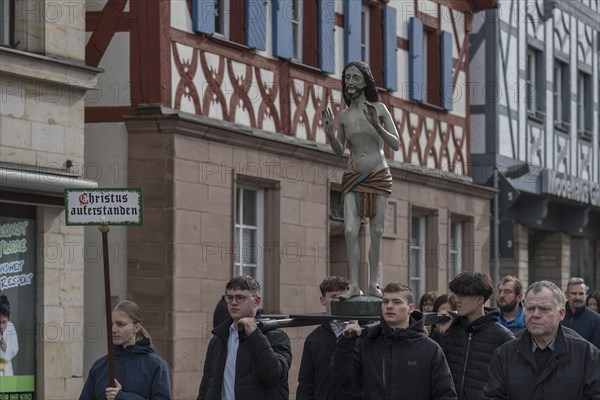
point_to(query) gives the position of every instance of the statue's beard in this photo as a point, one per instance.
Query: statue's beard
(356, 94)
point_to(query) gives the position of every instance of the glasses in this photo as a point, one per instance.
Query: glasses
(239, 298)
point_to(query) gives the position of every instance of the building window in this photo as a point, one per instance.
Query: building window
(240, 21)
(455, 255)
(370, 34)
(6, 27)
(364, 41)
(534, 90)
(417, 256)
(584, 105)
(249, 233)
(296, 19)
(222, 13)
(562, 98)
(431, 64)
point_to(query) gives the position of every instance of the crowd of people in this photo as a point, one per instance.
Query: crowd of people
(539, 343)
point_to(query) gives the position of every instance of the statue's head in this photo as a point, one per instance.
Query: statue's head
(370, 89)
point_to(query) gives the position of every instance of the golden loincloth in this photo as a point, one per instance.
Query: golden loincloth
(366, 187)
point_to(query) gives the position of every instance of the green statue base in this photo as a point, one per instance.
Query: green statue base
(356, 305)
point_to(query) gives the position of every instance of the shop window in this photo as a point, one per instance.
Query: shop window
(240, 21)
(562, 97)
(370, 36)
(430, 65)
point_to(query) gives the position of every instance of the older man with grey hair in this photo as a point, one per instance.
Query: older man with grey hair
(549, 361)
(578, 317)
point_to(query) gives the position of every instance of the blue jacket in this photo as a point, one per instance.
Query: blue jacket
(141, 373)
(584, 321)
(517, 325)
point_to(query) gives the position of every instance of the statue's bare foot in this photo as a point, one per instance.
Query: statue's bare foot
(352, 291)
(374, 290)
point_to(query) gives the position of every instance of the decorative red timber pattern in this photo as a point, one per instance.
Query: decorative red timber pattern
(104, 24)
(148, 23)
(428, 136)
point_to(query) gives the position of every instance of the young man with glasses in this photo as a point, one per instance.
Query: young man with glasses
(241, 361)
(396, 360)
(469, 341)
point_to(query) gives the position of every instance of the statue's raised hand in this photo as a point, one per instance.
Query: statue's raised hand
(327, 117)
(371, 114)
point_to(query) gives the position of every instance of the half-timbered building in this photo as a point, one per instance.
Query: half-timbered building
(534, 134)
(214, 108)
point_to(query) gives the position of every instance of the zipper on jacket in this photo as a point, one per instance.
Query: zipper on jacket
(464, 372)
(383, 369)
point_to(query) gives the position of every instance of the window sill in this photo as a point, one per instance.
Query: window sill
(306, 67)
(536, 116)
(586, 135)
(432, 106)
(562, 126)
(229, 43)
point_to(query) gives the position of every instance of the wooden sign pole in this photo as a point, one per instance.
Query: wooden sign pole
(107, 300)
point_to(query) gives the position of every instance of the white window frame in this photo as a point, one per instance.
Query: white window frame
(222, 18)
(365, 17)
(297, 22)
(240, 228)
(455, 253)
(418, 245)
(6, 23)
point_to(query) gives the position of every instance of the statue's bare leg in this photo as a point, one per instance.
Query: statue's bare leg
(351, 230)
(376, 225)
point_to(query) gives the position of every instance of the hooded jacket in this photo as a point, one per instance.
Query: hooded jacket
(141, 373)
(584, 321)
(262, 365)
(469, 348)
(572, 372)
(393, 364)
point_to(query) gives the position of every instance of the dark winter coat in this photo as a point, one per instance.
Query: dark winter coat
(141, 373)
(314, 380)
(262, 365)
(393, 364)
(572, 372)
(584, 321)
(469, 348)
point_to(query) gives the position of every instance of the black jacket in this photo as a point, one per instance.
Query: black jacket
(573, 371)
(262, 365)
(141, 373)
(393, 364)
(314, 380)
(584, 321)
(469, 348)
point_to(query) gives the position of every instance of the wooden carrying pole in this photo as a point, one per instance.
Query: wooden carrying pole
(107, 299)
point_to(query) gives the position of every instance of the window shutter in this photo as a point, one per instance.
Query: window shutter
(256, 20)
(282, 28)
(326, 35)
(352, 30)
(415, 63)
(447, 86)
(203, 16)
(390, 62)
